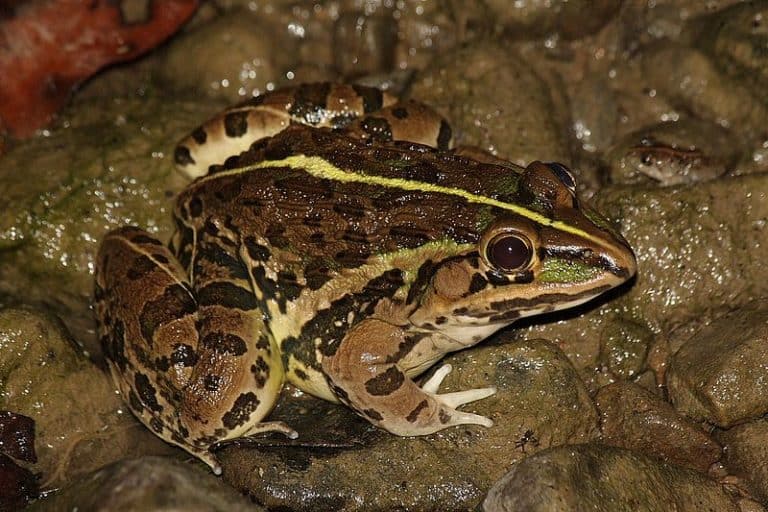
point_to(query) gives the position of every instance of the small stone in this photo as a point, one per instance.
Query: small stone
(719, 374)
(746, 453)
(634, 418)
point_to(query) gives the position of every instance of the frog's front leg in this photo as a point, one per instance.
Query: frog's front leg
(367, 374)
(193, 362)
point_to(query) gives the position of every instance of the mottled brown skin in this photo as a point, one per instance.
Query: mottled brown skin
(350, 270)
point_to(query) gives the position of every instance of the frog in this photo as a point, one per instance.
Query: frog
(333, 237)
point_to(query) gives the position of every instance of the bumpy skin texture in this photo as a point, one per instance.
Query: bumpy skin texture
(327, 252)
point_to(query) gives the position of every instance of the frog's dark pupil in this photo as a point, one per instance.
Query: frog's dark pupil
(509, 253)
(563, 174)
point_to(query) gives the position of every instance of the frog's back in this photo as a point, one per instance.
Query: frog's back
(336, 201)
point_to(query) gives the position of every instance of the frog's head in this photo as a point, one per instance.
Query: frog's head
(543, 251)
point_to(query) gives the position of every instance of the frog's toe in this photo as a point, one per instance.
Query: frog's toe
(271, 426)
(467, 418)
(433, 383)
(459, 398)
(206, 456)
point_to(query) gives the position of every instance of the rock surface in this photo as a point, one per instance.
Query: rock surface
(601, 478)
(719, 375)
(636, 419)
(150, 484)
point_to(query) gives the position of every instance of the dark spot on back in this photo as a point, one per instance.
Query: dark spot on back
(408, 237)
(316, 273)
(275, 235)
(145, 239)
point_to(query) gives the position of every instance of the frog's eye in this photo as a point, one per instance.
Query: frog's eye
(563, 174)
(509, 252)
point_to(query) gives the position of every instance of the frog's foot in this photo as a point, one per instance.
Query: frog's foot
(458, 398)
(364, 373)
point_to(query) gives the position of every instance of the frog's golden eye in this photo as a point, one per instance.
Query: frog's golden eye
(509, 252)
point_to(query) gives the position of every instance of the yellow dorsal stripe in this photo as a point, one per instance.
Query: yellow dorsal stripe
(321, 168)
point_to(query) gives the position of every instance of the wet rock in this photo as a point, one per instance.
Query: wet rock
(603, 478)
(746, 450)
(567, 19)
(694, 83)
(719, 374)
(364, 44)
(112, 166)
(235, 57)
(696, 251)
(518, 121)
(147, 484)
(736, 38)
(634, 418)
(540, 403)
(80, 421)
(672, 153)
(625, 347)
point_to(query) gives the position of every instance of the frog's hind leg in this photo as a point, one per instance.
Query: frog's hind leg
(364, 373)
(409, 121)
(191, 364)
(235, 129)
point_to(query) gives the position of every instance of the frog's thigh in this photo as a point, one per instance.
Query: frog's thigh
(238, 373)
(364, 373)
(147, 317)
